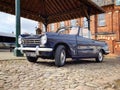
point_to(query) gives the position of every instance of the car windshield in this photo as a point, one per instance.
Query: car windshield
(68, 30)
(84, 32)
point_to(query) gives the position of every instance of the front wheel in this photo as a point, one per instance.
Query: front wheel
(100, 57)
(32, 59)
(60, 56)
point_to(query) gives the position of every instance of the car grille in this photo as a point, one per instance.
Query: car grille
(31, 41)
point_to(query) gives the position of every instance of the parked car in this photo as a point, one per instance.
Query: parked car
(67, 42)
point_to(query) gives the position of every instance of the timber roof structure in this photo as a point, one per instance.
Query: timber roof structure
(51, 11)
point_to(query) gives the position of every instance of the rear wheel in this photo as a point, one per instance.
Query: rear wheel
(100, 57)
(32, 59)
(60, 56)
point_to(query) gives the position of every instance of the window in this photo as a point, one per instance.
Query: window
(43, 28)
(62, 24)
(117, 2)
(85, 33)
(85, 22)
(52, 27)
(101, 20)
(73, 30)
(73, 22)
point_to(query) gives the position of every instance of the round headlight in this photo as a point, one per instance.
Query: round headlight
(44, 39)
(20, 40)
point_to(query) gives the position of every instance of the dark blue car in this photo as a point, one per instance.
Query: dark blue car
(67, 42)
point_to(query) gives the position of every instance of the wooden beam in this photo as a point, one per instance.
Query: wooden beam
(66, 13)
(23, 11)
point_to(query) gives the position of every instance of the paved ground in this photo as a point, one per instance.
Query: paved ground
(18, 74)
(5, 54)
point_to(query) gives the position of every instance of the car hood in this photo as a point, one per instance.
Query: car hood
(51, 33)
(31, 36)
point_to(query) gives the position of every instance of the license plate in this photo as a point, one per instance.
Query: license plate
(31, 54)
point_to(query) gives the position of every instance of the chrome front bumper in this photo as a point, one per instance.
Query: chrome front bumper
(37, 49)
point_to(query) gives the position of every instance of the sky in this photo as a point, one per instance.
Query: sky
(7, 24)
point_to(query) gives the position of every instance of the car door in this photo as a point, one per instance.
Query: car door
(93, 48)
(83, 47)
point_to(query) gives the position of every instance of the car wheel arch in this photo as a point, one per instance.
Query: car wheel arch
(102, 50)
(68, 52)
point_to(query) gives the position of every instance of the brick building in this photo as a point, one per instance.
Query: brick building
(105, 27)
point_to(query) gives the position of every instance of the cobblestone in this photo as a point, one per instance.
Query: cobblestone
(75, 75)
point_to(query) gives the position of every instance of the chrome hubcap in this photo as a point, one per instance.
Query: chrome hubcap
(100, 56)
(63, 56)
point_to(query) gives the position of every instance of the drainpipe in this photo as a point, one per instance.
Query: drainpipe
(18, 31)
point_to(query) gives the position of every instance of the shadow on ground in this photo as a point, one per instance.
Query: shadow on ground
(68, 62)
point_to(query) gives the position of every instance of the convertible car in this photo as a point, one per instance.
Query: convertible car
(67, 42)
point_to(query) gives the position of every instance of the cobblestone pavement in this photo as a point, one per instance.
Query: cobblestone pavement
(75, 75)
